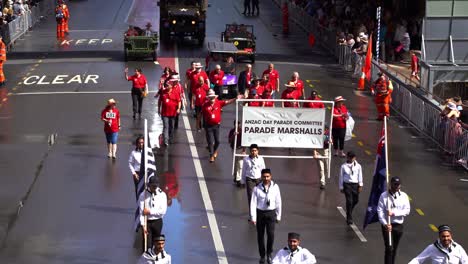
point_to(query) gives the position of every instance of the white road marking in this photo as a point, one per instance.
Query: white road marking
(218, 243)
(353, 226)
(464, 180)
(83, 92)
(61, 60)
(290, 63)
(129, 11)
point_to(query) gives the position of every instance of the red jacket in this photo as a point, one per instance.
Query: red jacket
(212, 112)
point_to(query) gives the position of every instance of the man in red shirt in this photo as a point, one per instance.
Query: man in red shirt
(188, 72)
(198, 99)
(290, 94)
(216, 78)
(273, 77)
(414, 66)
(314, 97)
(255, 86)
(177, 87)
(111, 118)
(211, 111)
(168, 108)
(139, 90)
(267, 95)
(197, 73)
(298, 84)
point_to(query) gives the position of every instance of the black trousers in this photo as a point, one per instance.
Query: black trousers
(137, 100)
(246, 7)
(212, 137)
(352, 198)
(266, 220)
(250, 185)
(154, 229)
(255, 6)
(338, 135)
(390, 251)
(218, 91)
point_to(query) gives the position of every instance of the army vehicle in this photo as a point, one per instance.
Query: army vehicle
(242, 36)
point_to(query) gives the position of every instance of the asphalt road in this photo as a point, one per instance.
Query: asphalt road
(78, 205)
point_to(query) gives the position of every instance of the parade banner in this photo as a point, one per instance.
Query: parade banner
(283, 127)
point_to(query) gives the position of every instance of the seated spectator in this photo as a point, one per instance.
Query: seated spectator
(148, 31)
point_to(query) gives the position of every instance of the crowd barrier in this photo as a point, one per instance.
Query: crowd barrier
(21, 24)
(416, 109)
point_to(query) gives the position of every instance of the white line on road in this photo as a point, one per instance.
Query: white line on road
(218, 243)
(464, 180)
(82, 92)
(353, 226)
(60, 60)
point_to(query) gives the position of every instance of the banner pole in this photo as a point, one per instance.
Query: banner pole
(145, 151)
(387, 174)
(235, 139)
(377, 46)
(330, 139)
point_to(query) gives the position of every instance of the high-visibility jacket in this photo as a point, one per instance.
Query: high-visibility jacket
(2, 51)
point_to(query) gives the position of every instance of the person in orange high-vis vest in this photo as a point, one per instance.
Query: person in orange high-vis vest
(382, 90)
(2, 60)
(62, 15)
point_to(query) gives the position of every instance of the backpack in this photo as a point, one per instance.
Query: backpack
(59, 14)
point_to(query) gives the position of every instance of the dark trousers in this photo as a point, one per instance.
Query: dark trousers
(212, 138)
(218, 91)
(137, 100)
(265, 221)
(338, 135)
(176, 121)
(352, 198)
(154, 229)
(168, 128)
(246, 7)
(390, 251)
(250, 185)
(135, 182)
(255, 6)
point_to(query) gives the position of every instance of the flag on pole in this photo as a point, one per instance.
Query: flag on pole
(148, 163)
(379, 182)
(368, 63)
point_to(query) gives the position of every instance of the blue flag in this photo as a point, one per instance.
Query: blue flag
(379, 183)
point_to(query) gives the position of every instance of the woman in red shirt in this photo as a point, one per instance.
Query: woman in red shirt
(111, 118)
(139, 90)
(340, 115)
(267, 95)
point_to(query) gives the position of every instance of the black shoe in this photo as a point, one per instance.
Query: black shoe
(243, 13)
(139, 116)
(262, 261)
(349, 222)
(322, 187)
(134, 116)
(269, 260)
(238, 184)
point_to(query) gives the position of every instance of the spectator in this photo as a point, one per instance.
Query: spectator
(8, 13)
(403, 47)
(350, 40)
(18, 8)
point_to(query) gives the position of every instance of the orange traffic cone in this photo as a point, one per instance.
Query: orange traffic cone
(362, 81)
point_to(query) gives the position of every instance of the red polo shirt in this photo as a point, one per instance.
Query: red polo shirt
(299, 87)
(259, 89)
(212, 112)
(195, 75)
(255, 103)
(313, 104)
(273, 77)
(169, 103)
(290, 95)
(139, 82)
(217, 78)
(114, 116)
(200, 94)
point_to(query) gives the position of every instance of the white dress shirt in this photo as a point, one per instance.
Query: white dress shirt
(399, 205)
(455, 254)
(150, 257)
(350, 173)
(155, 202)
(252, 168)
(299, 256)
(260, 198)
(134, 161)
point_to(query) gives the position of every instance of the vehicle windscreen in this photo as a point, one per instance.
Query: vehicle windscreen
(184, 2)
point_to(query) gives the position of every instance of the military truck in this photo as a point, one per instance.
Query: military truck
(183, 19)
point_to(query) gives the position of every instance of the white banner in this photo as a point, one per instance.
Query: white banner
(283, 127)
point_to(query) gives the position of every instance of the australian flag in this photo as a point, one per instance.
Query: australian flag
(379, 182)
(148, 163)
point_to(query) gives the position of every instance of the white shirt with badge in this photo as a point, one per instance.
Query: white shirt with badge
(150, 257)
(399, 205)
(134, 161)
(265, 199)
(252, 168)
(437, 254)
(155, 202)
(350, 173)
(299, 256)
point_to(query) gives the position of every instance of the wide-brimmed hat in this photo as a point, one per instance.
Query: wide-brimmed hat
(149, 24)
(198, 65)
(211, 94)
(174, 78)
(290, 84)
(339, 99)
(111, 101)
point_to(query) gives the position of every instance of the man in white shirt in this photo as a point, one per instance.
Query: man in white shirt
(393, 204)
(153, 205)
(265, 211)
(443, 251)
(293, 253)
(134, 161)
(156, 254)
(350, 183)
(252, 167)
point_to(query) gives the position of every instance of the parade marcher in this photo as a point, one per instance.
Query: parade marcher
(245, 78)
(188, 74)
(265, 210)
(393, 203)
(382, 90)
(321, 156)
(267, 95)
(177, 87)
(273, 77)
(139, 90)
(414, 66)
(111, 118)
(152, 203)
(253, 95)
(255, 6)
(169, 106)
(134, 161)
(255, 85)
(298, 84)
(340, 115)
(350, 183)
(252, 167)
(443, 251)
(266, 84)
(290, 94)
(239, 162)
(216, 78)
(3, 58)
(198, 99)
(167, 72)
(195, 74)
(293, 253)
(156, 254)
(211, 111)
(61, 16)
(246, 7)
(314, 97)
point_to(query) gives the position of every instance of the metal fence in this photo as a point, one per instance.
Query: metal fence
(416, 109)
